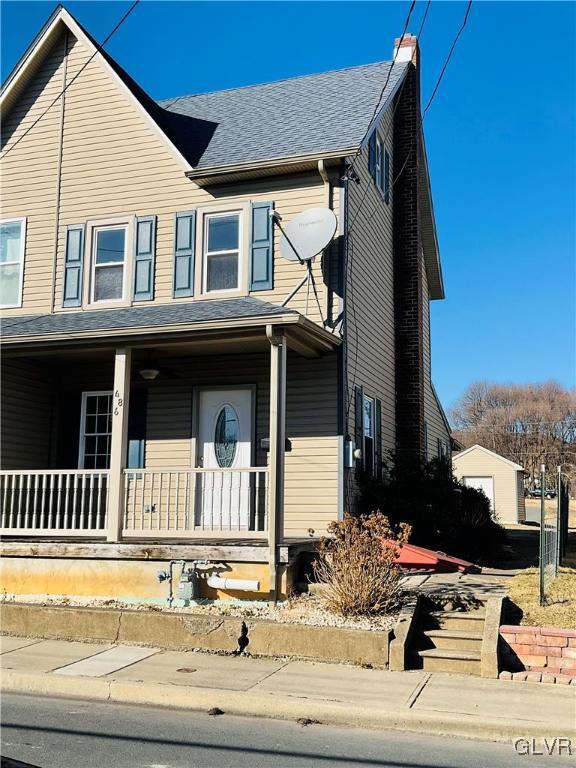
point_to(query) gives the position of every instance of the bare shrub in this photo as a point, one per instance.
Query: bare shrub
(355, 567)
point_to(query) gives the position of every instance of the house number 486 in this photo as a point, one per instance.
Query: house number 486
(119, 402)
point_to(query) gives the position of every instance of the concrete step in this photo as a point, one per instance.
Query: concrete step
(454, 639)
(446, 660)
(465, 621)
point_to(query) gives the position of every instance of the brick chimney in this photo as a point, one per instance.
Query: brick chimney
(406, 49)
(409, 301)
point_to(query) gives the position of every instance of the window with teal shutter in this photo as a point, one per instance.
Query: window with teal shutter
(261, 247)
(73, 266)
(386, 176)
(144, 258)
(184, 248)
(372, 155)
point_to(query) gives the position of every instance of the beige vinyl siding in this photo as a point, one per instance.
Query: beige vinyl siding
(28, 177)
(370, 294)
(435, 424)
(478, 463)
(26, 415)
(311, 486)
(114, 164)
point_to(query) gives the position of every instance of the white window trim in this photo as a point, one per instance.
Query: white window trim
(205, 253)
(82, 445)
(22, 221)
(242, 208)
(115, 222)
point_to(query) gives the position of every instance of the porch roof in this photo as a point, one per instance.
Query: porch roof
(162, 320)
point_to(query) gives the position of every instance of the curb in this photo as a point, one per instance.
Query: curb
(269, 706)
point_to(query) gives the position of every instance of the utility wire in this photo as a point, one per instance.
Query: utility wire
(349, 267)
(377, 107)
(98, 50)
(428, 105)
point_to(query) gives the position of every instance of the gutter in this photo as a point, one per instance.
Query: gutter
(148, 332)
(290, 160)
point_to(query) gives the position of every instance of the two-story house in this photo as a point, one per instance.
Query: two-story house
(167, 392)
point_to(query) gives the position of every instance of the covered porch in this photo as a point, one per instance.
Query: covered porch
(178, 436)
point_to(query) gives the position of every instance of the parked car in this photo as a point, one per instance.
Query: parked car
(536, 493)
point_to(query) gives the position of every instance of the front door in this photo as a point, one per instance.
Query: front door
(224, 447)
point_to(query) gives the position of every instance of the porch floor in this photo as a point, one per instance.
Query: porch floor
(225, 548)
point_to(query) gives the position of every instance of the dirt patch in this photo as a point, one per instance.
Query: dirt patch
(560, 608)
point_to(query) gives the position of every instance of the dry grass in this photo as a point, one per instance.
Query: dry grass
(560, 608)
(358, 575)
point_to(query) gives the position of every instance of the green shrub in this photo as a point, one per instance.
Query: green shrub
(444, 514)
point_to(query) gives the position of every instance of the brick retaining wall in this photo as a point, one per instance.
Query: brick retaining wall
(538, 654)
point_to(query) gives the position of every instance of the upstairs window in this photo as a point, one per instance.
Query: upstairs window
(222, 261)
(378, 173)
(109, 263)
(369, 435)
(12, 239)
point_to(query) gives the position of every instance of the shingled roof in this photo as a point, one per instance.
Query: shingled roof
(297, 117)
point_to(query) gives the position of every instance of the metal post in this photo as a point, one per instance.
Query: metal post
(542, 531)
(558, 519)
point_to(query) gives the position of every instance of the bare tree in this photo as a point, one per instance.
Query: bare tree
(531, 424)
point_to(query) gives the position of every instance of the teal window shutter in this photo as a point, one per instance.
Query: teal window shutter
(144, 258)
(261, 247)
(378, 458)
(386, 176)
(73, 266)
(184, 247)
(359, 425)
(372, 155)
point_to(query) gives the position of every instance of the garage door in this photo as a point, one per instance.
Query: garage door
(485, 484)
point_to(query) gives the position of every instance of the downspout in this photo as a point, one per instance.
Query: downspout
(343, 350)
(59, 175)
(326, 253)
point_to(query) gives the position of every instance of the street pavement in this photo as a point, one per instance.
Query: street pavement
(72, 733)
(336, 694)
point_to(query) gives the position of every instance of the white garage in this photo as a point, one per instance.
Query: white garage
(499, 478)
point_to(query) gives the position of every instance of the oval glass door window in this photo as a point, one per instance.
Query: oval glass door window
(226, 436)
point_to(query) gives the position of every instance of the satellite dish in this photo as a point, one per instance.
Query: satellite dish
(308, 234)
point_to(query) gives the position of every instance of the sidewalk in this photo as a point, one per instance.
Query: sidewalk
(437, 703)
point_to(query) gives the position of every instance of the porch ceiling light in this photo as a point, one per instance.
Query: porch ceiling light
(149, 374)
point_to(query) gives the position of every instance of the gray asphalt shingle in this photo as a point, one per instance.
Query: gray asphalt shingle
(288, 118)
(136, 317)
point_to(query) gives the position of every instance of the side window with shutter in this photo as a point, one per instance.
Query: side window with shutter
(261, 247)
(73, 266)
(378, 439)
(359, 425)
(184, 248)
(372, 155)
(144, 258)
(386, 176)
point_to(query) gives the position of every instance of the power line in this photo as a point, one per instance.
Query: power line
(376, 108)
(349, 266)
(98, 50)
(428, 105)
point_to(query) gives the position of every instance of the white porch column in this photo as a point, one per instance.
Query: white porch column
(277, 451)
(118, 448)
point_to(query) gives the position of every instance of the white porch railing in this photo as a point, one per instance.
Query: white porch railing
(43, 502)
(195, 502)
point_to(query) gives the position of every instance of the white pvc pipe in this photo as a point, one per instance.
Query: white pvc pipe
(242, 585)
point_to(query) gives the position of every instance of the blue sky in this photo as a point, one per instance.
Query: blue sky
(500, 138)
